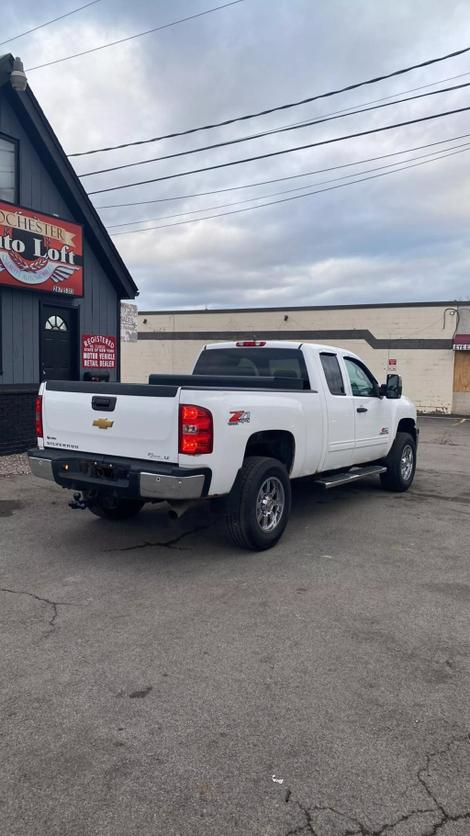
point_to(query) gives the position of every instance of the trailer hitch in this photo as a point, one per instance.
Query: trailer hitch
(77, 503)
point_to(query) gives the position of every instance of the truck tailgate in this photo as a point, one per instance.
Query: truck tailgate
(130, 420)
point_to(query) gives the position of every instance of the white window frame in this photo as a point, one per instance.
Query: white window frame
(10, 195)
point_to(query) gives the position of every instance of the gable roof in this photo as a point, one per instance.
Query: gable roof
(48, 147)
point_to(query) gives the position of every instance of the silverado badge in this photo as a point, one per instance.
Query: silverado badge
(103, 423)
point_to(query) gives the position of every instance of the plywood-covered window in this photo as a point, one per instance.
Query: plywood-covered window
(8, 169)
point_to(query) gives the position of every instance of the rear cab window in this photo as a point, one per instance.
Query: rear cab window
(333, 373)
(259, 362)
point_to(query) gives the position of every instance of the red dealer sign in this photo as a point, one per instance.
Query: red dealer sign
(98, 352)
(40, 252)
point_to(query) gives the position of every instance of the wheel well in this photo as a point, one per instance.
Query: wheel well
(407, 425)
(276, 444)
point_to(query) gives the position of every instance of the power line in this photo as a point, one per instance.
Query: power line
(48, 22)
(138, 35)
(284, 151)
(465, 146)
(383, 98)
(331, 113)
(262, 134)
(286, 106)
(281, 179)
(346, 111)
(287, 199)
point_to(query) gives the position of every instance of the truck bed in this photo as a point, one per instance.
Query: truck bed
(227, 381)
(167, 385)
(140, 420)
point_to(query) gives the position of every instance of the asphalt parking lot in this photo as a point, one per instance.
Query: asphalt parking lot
(156, 680)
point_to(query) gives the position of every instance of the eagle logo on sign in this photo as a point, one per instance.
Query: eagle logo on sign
(34, 272)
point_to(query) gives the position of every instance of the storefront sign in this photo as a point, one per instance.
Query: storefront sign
(461, 342)
(98, 352)
(128, 322)
(40, 252)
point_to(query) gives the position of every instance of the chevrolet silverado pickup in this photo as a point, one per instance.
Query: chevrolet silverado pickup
(252, 416)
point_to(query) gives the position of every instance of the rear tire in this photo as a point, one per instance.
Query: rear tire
(109, 508)
(259, 504)
(401, 464)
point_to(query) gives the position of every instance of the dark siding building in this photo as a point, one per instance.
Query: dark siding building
(44, 316)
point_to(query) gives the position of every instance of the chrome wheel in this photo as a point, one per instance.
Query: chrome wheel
(406, 463)
(270, 503)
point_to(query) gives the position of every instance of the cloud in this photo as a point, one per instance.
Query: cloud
(403, 236)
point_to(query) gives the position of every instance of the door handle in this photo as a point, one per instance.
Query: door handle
(361, 409)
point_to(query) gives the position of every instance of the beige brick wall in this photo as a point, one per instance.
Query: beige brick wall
(427, 373)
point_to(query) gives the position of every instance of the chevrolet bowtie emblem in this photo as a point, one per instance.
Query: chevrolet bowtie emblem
(103, 423)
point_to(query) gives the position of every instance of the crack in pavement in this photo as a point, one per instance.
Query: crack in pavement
(169, 544)
(308, 816)
(445, 815)
(53, 604)
(303, 827)
(447, 818)
(363, 830)
(360, 828)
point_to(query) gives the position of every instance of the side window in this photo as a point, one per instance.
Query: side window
(363, 384)
(8, 171)
(333, 375)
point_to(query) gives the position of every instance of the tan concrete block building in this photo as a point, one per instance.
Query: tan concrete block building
(425, 342)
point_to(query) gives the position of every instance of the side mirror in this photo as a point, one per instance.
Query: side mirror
(393, 387)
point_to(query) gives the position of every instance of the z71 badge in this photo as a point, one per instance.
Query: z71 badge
(239, 416)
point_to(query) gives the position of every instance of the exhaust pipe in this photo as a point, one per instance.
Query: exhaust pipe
(178, 508)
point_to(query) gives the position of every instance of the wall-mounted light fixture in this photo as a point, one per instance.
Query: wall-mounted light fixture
(18, 79)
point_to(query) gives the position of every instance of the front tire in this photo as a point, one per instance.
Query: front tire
(401, 464)
(109, 508)
(259, 504)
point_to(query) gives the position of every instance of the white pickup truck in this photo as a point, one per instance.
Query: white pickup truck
(251, 417)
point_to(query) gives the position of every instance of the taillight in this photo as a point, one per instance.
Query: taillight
(250, 343)
(196, 434)
(38, 417)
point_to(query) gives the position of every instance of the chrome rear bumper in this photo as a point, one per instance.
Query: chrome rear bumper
(122, 476)
(159, 486)
(41, 468)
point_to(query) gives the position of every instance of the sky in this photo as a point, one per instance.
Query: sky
(399, 237)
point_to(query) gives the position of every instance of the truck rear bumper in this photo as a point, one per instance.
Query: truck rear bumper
(120, 476)
(163, 486)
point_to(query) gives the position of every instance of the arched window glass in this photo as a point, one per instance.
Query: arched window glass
(55, 323)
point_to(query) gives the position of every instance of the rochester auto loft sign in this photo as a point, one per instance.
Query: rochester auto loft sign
(40, 252)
